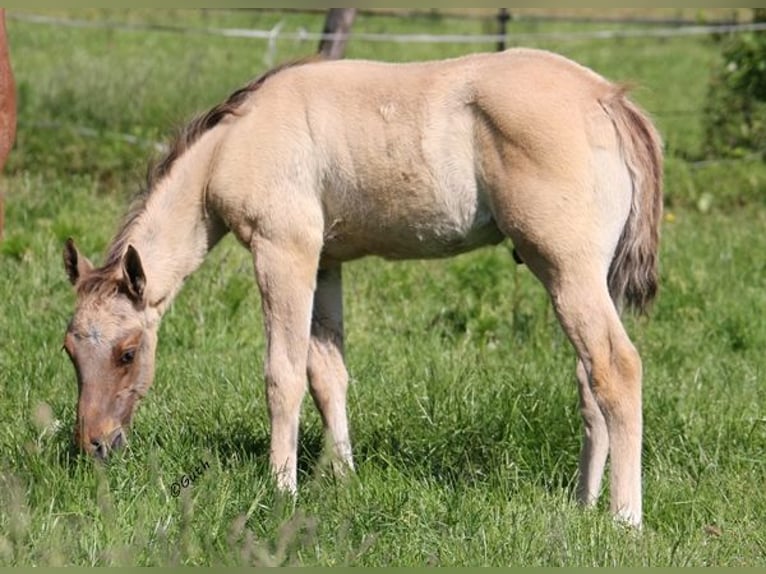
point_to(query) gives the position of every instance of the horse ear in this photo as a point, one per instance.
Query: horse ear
(134, 273)
(75, 264)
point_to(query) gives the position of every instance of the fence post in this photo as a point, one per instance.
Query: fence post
(339, 21)
(7, 109)
(502, 17)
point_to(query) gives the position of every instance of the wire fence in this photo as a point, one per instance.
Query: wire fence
(733, 15)
(277, 32)
(661, 29)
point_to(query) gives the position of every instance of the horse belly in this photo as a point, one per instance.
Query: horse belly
(411, 224)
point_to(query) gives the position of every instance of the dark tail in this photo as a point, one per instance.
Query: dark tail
(633, 274)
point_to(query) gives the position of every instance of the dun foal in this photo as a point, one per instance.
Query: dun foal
(315, 164)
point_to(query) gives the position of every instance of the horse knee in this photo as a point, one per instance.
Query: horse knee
(327, 385)
(326, 372)
(285, 387)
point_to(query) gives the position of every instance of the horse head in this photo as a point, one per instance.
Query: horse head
(111, 341)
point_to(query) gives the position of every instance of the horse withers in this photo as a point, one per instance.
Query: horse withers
(318, 163)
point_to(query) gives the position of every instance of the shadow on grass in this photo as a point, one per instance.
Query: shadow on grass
(464, 451)
(235, 444)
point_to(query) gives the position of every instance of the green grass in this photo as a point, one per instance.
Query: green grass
(463, 405)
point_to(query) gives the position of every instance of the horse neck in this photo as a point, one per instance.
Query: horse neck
(174, 231)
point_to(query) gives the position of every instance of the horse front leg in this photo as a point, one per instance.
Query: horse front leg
(286, 274)
(328, 378)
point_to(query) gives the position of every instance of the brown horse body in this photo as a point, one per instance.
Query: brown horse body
(7, 108)
(317, 164)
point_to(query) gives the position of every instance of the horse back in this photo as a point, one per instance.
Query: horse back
(397, 154)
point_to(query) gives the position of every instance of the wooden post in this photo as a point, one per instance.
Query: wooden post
(339, 21)
(7, 109)
(502, 17)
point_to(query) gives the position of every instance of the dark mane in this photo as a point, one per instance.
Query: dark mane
(185, 137)
(204, 122)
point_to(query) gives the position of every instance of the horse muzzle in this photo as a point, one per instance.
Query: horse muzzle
(100, 447)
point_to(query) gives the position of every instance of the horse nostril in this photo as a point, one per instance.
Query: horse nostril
(118, 441)
(99, 449)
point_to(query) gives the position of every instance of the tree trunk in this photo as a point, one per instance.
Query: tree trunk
(339, 21)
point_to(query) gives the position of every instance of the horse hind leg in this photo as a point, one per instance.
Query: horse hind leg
(328, 377)
(610, 382)
(569, 253)
(565, 219)
(595, 446)
(609, 370)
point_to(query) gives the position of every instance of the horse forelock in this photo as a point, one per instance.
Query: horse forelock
(104, 281)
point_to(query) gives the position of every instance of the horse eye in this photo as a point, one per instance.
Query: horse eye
(127, 357)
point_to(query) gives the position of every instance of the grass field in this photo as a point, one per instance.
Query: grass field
(463, 405)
